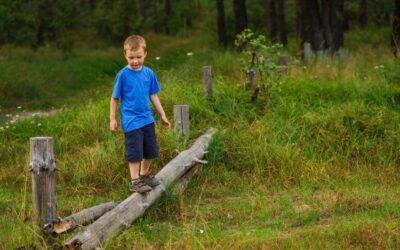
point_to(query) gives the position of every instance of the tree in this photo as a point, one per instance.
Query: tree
(363, 14)
(396, 28)
(282, 22)
(222, 39)
(240, 13)
(272, 22)
(324, 31)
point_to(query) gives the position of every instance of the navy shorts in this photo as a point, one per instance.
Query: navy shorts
(141, 143)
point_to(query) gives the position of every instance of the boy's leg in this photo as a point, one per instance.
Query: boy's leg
(150, 151)
(134, 169)
(145, 166)
(137, 185)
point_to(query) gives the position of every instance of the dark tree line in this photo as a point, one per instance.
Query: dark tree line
(322, 23)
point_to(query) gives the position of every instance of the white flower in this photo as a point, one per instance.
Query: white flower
(7, 127)
(381, 66)
(32, 122)
(201, 231)
(8, 115)
(12, 121)
(189, 54)
(158, 58)
(376, 67)
(19, 107)
(1, 128)
(39, 124)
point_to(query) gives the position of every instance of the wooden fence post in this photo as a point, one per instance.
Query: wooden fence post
(284, 63)
(42, 167)
(181, 120)
(250, 79)
(207, 78)
(307, 51)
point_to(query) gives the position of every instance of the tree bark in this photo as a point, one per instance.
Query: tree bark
(240, 12)
(84, 217)
(272, 22)
(167, 10)
(222, 39)
(396, 29)
(363, 14)
(116, 220)
(281, 22)
(311, 25)
(332, 26)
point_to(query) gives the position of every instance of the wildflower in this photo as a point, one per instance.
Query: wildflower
(39, 124)
(12, 121)
(201, 231)
(376, 67)
(1, 128)
(8, 115)
(158, 58)
(32, 122)
(16, 116)
(7, 127)
(381, 66)
(19, 107)
(189, 54)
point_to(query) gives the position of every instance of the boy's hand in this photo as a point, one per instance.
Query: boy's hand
(165, 121)
(113, 125)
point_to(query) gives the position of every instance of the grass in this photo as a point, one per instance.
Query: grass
(318, 168)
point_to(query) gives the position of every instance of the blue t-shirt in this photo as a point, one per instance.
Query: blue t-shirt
(134, 89)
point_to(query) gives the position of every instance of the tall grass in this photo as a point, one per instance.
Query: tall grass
(316, 169)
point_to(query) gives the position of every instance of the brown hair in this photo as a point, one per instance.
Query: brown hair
(134, 42)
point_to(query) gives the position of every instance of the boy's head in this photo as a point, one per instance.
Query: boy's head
(135, 51)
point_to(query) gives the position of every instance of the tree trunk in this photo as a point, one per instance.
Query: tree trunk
(135, 205)
(281, 22)
(84, 217)
(272, 23)
(240, 12)
(363, 14)
(396, 29)
(156, 19)
(332, 25)
(311, 29)
(167, 10)
(222, 40)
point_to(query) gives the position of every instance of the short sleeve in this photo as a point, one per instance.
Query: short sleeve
(117, 86)
(154, 87)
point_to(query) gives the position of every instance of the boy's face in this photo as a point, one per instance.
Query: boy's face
(135, 58)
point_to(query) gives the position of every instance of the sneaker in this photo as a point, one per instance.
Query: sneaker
(150, 180)
(139, 186)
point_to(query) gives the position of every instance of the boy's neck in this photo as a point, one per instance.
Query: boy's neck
(139, 69)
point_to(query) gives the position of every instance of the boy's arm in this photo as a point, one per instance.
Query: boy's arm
(113, 109)
(157, 104)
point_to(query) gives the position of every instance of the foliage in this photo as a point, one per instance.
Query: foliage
(259, 57)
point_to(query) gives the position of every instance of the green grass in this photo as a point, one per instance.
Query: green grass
(318, 168)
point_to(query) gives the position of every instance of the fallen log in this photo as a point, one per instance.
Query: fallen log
(132, 208)
(82, 218)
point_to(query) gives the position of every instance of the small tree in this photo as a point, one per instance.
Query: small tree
(258, 59)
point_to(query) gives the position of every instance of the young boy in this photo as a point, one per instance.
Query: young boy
(135, 85)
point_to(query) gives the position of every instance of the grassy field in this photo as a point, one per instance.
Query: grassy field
(318, 168)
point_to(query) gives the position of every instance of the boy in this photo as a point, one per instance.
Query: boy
(135, 85)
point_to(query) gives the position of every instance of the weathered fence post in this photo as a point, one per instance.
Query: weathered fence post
(307, 52)
(181, 120)
(250, 79)
(42, 167)
(207, 78)
(284, 63)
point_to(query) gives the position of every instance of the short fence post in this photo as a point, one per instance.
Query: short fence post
(181, 120)
(42, 167)
(207, 78)
(284, 63)
(307, 51)
(250, 79)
